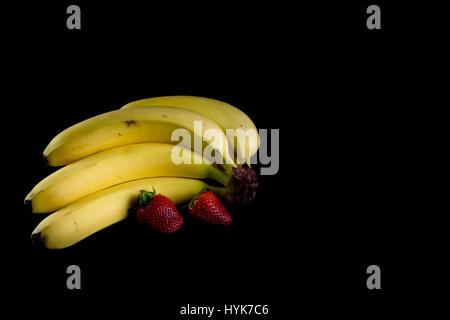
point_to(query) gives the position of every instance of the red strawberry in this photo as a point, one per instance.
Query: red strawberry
(158, 212)
(207, 207)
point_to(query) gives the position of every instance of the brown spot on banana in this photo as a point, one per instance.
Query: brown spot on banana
(130, 123)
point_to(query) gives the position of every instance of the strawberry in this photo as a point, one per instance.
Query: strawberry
(208, 208)
(158, 212)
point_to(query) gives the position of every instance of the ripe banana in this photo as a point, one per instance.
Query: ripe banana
(224, 114)
(118, 165)
(99, 210)
(129, 126)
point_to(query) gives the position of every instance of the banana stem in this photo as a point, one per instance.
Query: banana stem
(240, 182)
(220, 191)
(220, 176)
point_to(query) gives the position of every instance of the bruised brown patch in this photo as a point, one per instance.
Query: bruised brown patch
(130, 123)
(165, 116)
(119, 134)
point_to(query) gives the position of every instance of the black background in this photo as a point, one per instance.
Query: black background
(341, 96)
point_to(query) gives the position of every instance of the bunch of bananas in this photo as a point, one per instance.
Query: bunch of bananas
(109, 158)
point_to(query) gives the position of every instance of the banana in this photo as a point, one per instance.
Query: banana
(224, 114)
(129, 126)
(118, 165)
(101, 209)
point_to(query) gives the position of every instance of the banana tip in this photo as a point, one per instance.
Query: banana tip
(36, 240)
(46, 160)
(28, 205)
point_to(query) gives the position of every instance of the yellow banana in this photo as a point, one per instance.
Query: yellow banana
(101, 209)
(224, 114)
(129, 126)
(118, 165)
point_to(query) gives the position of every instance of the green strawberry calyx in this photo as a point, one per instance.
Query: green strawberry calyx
(145, 196)
(191, 203)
